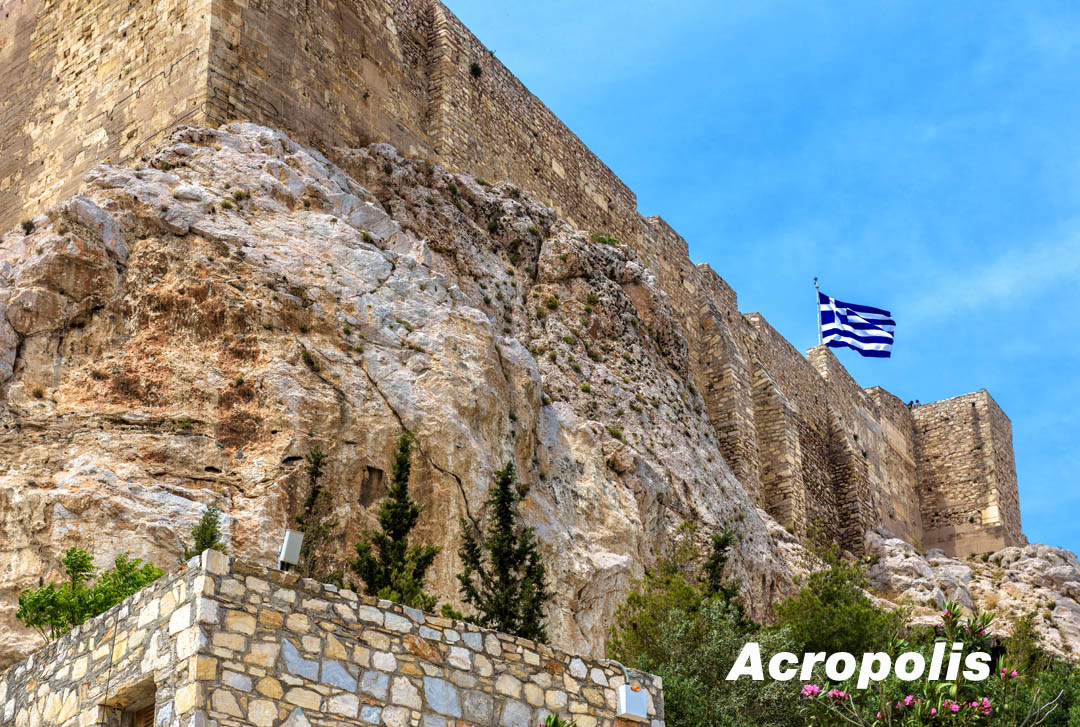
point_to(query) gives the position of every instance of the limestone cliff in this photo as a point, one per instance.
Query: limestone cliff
(186, 331)
(1039, 580)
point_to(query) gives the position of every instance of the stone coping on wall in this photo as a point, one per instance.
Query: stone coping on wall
(237, 644)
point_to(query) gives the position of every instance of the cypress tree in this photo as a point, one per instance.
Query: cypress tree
(316, 523)
(207, 534)
(387, 564)
(502, 574)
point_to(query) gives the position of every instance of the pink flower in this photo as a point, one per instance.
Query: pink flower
(1014, 673)
(933, 710)
(909, 700)
(810, 690)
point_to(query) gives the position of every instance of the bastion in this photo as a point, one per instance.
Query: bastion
(221, 642)
(87, 82)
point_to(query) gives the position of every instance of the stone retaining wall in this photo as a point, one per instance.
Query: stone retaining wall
(228, 643)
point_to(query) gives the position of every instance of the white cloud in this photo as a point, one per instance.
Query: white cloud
(1009, 279)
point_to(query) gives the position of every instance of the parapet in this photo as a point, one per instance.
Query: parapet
(230, 643)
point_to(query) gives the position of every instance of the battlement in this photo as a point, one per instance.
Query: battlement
(106, 79)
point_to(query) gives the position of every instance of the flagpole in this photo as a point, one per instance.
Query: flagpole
(817, 309)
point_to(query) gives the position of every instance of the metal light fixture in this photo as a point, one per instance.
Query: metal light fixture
(632, 701)
(290, 549)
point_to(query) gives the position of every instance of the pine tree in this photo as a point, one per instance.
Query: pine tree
(317, 524)
(207, 534)
(387, 564)
(502, 574)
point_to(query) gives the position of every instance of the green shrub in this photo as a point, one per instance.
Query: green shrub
(831, 612)
(389, 566)
(503, 576)
(684, 623)
(56, 608)
(318, 524)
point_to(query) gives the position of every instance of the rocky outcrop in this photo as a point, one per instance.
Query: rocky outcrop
(187, 331)
(1013, 582)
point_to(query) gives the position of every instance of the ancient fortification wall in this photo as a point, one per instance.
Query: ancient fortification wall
(967, 478)
(226, 643)
(100, 80)
(403, 72)
(86, 81)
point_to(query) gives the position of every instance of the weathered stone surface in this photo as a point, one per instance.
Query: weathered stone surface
(174, 370)
(296, 664)
(1012, 582)
(442, 697)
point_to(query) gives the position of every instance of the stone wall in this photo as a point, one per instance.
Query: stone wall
(897, 490)
(144, 651)
(87, 81)
(237, 645)
(95, 80)
(344, 73)
(493, 126)
(967, 478)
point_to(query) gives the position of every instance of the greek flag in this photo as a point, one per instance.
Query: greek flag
(867, 330)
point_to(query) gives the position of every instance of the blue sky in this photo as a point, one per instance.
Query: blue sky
(919, 156)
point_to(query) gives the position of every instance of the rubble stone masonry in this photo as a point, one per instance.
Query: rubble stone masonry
(89, 81)
(226, 643)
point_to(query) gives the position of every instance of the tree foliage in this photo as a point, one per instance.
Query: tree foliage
(502, 574)
(832, 612)
(206, 535)
(684, 622)
(389, 566)
(56, 608)
(317, 523)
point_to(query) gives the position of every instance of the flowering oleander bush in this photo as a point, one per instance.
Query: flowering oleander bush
(1001, 699)
(684, 622)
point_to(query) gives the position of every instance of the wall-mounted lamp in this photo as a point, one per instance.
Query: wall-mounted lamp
(632, 701)
(290, 549)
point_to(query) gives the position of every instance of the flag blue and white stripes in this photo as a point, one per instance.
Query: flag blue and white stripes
(866, 329)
